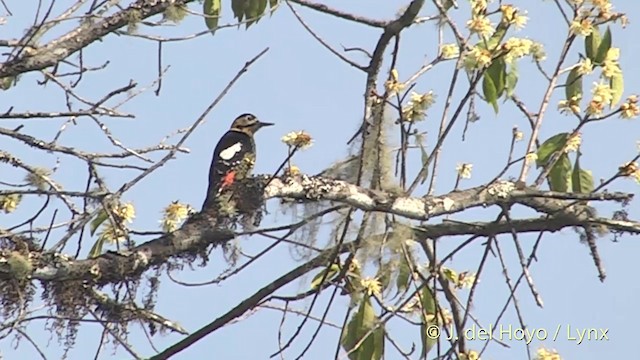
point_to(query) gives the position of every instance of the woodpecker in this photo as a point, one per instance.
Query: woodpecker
(234, 156)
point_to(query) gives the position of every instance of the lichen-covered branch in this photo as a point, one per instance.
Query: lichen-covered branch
(112, 267)
(200, 231)
(424, 208)
(391, 29)
(454, 228)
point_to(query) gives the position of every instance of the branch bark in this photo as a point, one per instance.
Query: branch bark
(59, 49)
(199, 232)
(391, 29)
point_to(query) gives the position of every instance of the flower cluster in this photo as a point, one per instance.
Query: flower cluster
(573, 143)
(630, 169)
(464, 170)
(629, 109)
(583, 27)
(511, 15)
(8, 203)
(173, 215)
(517, 134)
(610, 65)
(298, 139)
(602, 96)
(570, 106)
(517, 48)
(477, 58)
(547, 354)
(292, 170)
(478, 6)
(601, 10)
(604, 7)
(464, 279)
(531, 157)
(481, 25)
(393, 85)
(371, 286)
(585, 67)
(417, 106)
(123, 213)
(469, 355)
(449, 51)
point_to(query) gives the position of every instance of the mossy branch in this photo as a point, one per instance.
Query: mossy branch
(200, 231)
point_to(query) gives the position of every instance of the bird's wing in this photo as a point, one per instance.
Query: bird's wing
(229, 152)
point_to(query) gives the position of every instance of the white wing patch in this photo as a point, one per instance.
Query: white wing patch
(231, 151)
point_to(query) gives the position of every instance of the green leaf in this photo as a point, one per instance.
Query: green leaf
(384, 276)
(560, 174)
(450, 274)
(497, 72)
(581, 180)
(99, 219)
(378, 343)
(549, 147)
(350, 334)
(96, 249)
(497, 37)
(7, 82)
(211, 8)
(573, 86)
(617, 86)
(261, 9)
(511, 80)
(254, 11)
(331, 272)
(429, 320)
(490, 91)
(447, 4)
(592, 43)
(273, 5)
(404, 275)
(603, 48)
(424, 156)
(428, 301)
(238, 7)
(361, 323)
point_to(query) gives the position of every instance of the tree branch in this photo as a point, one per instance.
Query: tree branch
(59, 49)
(340, 14)
(42, 114)
(391, 29)
(199, 232)
(252, 301)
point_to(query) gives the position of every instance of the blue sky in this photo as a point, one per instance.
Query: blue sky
(299, 85)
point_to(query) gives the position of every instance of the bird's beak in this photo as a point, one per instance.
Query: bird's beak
(263, 124)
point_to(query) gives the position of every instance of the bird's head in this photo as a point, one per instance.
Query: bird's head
(248, 124)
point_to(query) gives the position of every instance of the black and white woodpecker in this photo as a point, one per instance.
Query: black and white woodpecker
(234, 156)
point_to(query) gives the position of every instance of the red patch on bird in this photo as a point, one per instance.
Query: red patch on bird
(228, 179)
